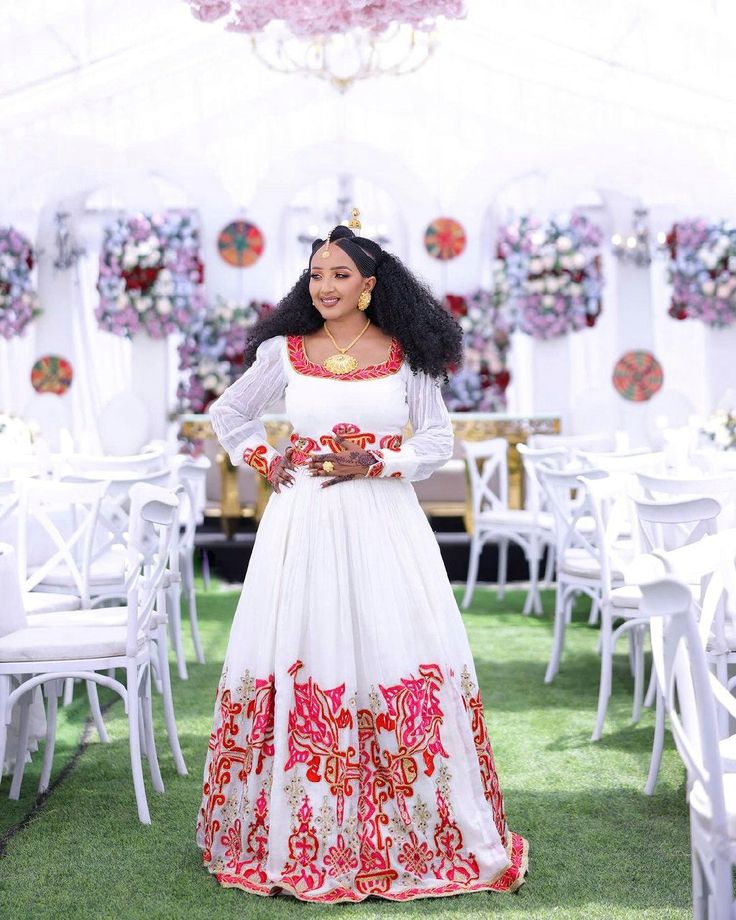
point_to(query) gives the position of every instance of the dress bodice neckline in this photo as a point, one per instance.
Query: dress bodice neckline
(303, 365)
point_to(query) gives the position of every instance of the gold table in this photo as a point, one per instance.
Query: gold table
(467, 426)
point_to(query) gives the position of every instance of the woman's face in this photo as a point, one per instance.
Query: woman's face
(335, 284)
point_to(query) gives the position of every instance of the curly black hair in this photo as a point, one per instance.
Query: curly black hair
(401, 305)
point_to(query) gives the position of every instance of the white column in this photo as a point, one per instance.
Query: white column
(551, 378)
(720, 367)
(154, 363)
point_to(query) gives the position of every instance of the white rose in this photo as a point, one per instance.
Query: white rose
(708, 288)
(209, 382)
(548, 300)
(535, 266)
(574, 290)
(163, 306)
(141, 304)
(564, 244)
(121, 301)
(578, 260)
(723, 291)
(548, 262)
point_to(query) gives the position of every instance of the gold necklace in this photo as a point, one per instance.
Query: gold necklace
(342, 363)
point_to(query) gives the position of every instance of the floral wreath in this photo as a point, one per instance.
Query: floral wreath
(702, 271)
(480, 384)
(551, 273)
(18, 297)
(150, 274)
(212, 352)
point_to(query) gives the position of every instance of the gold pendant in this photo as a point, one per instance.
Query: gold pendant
(340, 364)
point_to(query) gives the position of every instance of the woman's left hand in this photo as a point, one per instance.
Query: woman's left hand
(349, 463)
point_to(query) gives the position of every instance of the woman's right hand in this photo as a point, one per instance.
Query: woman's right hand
(280, 474)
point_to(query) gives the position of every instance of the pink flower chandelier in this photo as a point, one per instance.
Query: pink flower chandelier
(341, 41)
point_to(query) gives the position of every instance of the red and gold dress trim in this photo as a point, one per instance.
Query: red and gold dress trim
(302, 365)
(331, 858)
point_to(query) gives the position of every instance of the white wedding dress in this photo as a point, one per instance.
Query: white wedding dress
(349, 755)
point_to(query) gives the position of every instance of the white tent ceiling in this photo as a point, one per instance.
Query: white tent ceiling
(549, 98)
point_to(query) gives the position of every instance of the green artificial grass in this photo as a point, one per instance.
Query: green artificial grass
(600, 848)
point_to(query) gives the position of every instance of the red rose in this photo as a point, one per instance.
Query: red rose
(456, 305)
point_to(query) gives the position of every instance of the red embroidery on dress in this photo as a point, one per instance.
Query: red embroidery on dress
(257, 457)
(314, 738)
(348, 432)
(301, 449)
(302, 365)
(391, 442)
(491, 786)
(367, 859)
(396, 475)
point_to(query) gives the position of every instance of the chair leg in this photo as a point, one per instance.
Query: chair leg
(94, 705)
(700, 887)
(532, 601)
(558, 641)
(192, 605)
(144, 816)
(651, 689)
(173, 610)
(475, 550)
(604, 688)
(594, 611)
(657, 744)
(550, 567)
(4, 694)
(22, 747)
(723, 888)
(168, 701)
(206, 570)
(503, 565)
(53, 691)
(147, 712)
(68, 691)
(638, 634)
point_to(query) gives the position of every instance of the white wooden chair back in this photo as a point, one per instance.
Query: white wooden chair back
(569, 501)
(687, 688)
(531, 458)
(153, 529)
(601, 441)
(488, 473)
(672, 523)
(66, 515)
(609, 507)
(150, 461)
(113, 521)
(632, 461)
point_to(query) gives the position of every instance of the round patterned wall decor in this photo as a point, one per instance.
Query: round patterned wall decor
(51, 374)
(240, 243)
(638, 375)
(445, 238)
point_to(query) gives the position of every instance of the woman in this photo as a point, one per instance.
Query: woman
(349, 755)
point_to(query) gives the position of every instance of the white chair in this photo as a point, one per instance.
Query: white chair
(578, 563)
(665, 526)
(50, 653)
(722, 488)
(632, 461)
(148, 461)
(600, 441)
(535, 496)
(692, 698)
(149, 546)
(192, 475)
(494, 521)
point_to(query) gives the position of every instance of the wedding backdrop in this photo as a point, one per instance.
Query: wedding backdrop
(560, 174)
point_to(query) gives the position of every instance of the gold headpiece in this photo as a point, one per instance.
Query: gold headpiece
(354, 223)
(326, 250)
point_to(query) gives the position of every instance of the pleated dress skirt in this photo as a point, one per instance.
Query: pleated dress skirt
(349, 755)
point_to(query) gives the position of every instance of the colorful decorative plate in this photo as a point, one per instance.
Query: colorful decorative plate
(51, 374)
(240, 243)
(445, 238)
(638, 375)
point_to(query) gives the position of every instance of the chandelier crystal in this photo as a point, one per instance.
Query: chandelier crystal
(340, 41)
(634, 247)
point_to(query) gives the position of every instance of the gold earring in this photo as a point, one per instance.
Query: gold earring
(364, 300)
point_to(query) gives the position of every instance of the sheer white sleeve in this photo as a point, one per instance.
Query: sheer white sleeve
(430, 447)
(236, 414)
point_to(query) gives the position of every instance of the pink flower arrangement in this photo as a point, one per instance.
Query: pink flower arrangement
(150, 275)
(18, 298)
(702, 270)
(304, 18)
(551, 274)
(480, 384)
(211, 353)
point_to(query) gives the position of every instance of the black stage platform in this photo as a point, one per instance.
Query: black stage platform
(228, 556)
